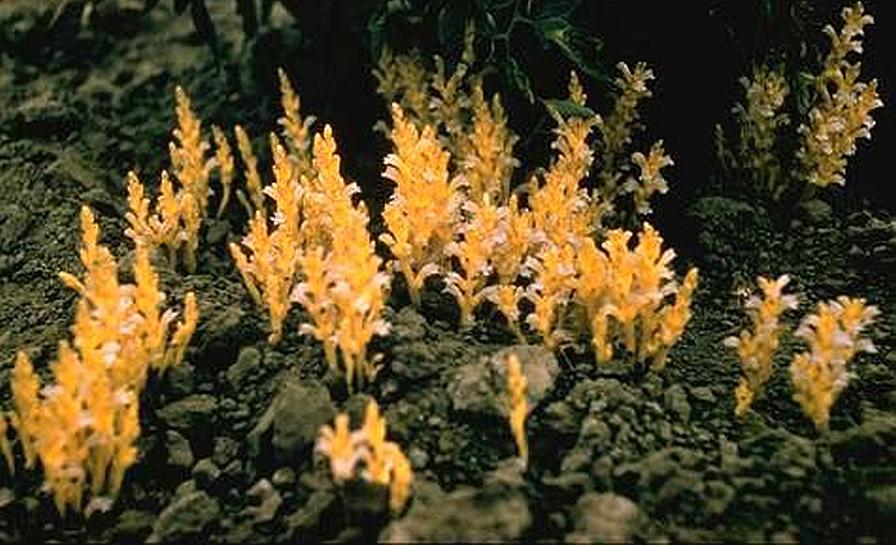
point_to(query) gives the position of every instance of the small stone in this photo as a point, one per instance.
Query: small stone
(180, 379)
(185, 488)
(884, 500)
(190, 412)
(180, 454)
(284, 477)
(132, 527)
(319, 506)
(205, 473)
(225, 450)
(246, 366)
(269, 501)
(676, 401)
(815, 211)
(419, 458)
(6, 497)
(187, 516)
(704, 394)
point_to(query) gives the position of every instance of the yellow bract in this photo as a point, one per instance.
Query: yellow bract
(83, 427)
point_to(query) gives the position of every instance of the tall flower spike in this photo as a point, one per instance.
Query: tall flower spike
(294, 126)
(188, 152)
(842, 113)
(253, 179)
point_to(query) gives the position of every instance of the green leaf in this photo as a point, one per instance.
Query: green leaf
(577, 46)
(519, 79)
(567, 108)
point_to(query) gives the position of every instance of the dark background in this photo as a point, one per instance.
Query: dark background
(697, 48)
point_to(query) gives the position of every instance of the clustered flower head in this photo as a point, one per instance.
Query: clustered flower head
(626, 294)
(269, 263)
(615, 177)
(834, 335)
(382, 462)
(756, 348)
(82, 427)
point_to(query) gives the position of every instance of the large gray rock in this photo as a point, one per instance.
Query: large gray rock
(481, 386)
(295, 415)
(187, 516)
(497, 512)
(605, 518)
(247, 364)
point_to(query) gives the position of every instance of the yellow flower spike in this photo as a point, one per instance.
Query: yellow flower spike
(487, 152)
(191, 213)
(507, 300)
(554, 278)
(25, 386)
(756, 348)
(378, 468)
(141, 230)
(473, 254)
(295, 128)
(184, 332)
(518, 406)
(226, 166)
(424, 208)
(402, 478)
(650, 180)
(188, 153)
(384, 463)
(833, 334)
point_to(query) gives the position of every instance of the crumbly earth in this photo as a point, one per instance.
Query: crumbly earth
(225, 450)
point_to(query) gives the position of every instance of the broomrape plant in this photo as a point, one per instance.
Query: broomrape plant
(833, 334)
(83, 426)
(179, 212)
(756, 349)
(383, 462)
